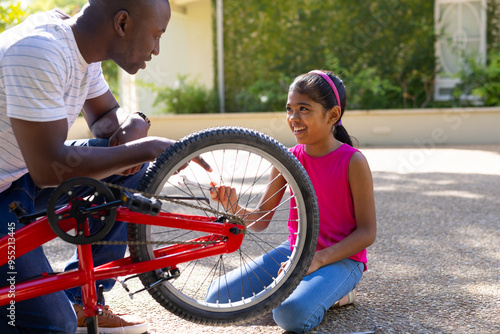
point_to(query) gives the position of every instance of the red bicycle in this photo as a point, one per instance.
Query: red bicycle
(179, 240)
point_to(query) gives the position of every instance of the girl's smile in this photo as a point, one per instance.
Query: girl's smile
(298, 129)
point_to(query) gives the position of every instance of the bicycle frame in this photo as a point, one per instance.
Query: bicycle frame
(39, 232)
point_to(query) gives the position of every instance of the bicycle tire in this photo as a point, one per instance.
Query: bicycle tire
(179, 296)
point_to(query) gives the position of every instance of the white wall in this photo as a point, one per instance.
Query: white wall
(185, 48)
(411, 127)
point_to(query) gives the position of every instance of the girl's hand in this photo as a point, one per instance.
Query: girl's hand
(283, 266)
(226, 196)
(315, 265)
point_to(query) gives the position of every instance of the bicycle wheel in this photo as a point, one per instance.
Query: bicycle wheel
(242, 159)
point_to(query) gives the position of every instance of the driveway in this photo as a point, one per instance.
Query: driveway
(435, 267)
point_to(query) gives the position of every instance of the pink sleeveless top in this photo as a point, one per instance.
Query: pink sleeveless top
(329, 175)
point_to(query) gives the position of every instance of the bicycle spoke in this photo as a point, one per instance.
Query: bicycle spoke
(254, 267)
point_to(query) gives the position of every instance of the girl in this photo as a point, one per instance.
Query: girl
(343, 184)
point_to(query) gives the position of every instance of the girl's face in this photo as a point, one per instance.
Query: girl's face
(311, 124)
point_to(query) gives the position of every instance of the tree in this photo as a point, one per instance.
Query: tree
(11, 13)
(384, 50)
(70, 7)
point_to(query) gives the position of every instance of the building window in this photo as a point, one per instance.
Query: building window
(461, 31)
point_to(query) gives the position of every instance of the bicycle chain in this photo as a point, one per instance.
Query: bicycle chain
(237, 220)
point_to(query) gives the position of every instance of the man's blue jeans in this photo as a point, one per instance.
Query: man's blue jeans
(306, 306)
(51, 313)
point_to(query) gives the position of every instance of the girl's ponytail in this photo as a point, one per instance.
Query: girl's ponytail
(340, 133)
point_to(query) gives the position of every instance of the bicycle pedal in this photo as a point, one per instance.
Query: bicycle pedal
(22, 214)
(139, 203)
(167, 274)
(123, 284)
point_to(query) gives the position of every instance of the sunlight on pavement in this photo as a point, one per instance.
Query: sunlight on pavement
(434, 160)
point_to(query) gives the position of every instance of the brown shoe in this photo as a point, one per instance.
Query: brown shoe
(112, 323)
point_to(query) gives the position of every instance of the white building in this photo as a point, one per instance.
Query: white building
(461, 27)
(187, 47)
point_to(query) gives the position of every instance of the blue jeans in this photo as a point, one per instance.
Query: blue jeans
(306, 306)
(52, 313)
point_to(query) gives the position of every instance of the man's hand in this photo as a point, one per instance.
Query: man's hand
(155, 146)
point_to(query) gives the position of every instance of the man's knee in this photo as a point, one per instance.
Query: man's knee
(47, 314)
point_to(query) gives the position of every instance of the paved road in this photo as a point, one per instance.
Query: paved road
(435, 267)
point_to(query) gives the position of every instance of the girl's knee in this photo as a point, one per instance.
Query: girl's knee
(293, 317)
(214, 294)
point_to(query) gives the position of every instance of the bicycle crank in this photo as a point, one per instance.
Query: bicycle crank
(167, 274)
(99, 205)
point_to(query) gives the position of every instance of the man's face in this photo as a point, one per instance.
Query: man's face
(144, 37)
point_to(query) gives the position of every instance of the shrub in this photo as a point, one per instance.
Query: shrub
(11, 14)
(186, 97)
(479, 84)
(263, 95)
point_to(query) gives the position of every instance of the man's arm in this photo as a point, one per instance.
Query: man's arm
(106, 119)
(50, 162)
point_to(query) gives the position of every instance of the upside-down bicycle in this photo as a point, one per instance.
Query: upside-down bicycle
(179, 240)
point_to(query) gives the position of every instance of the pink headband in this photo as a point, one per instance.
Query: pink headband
(334, 88)
(330, 82)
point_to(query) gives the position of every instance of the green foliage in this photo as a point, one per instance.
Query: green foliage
(479, 84)
(383, 50)
(11, 13)
(186, 97)
(493, 30)
(70, 7)
(264, 95)
(110, 71)
(366, 87)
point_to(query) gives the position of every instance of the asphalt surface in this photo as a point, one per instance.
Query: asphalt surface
(435, 267)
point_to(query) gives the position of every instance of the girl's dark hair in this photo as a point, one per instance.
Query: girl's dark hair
(319, 90)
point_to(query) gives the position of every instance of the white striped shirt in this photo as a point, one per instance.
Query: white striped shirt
(43, 77)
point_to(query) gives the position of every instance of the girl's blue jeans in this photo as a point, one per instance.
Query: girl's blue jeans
(306, 306)
(51, 313)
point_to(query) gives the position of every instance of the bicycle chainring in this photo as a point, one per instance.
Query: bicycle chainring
(81, 221)
(78, 208)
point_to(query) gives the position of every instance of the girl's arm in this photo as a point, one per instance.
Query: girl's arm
(361, 183)
(257, 219)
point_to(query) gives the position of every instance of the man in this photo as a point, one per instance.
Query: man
(50, 72)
